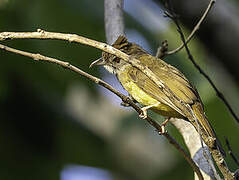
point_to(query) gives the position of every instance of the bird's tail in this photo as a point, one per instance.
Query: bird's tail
(203, 121)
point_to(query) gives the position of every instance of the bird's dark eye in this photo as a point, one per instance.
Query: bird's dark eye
(116, 59)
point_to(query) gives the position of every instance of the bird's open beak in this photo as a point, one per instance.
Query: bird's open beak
(98, 62)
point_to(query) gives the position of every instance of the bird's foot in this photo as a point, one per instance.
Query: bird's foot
(163, 126)
(143, 113)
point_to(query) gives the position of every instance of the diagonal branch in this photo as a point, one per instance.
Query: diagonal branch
(41, 34)
(126, 99)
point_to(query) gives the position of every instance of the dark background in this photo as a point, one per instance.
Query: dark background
(55, 124)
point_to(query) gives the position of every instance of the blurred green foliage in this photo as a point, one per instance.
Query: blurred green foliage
(38, 137)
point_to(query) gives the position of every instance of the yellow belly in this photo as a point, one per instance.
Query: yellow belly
(143, 98)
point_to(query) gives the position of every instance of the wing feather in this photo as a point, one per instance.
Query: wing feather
(171, 77)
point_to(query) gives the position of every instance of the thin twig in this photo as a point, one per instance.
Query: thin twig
(41, 34)
(195, 29)
(126, 99)
(219, 159)
(231, 152)
(218, 93)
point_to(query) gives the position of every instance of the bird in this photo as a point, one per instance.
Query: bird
(175, 97)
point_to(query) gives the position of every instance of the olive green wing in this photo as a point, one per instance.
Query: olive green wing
(182, 88)
(178, 85)
(150, 88)
(176, 81)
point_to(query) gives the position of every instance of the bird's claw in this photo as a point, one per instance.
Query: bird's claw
(143, 113)
(163, 130)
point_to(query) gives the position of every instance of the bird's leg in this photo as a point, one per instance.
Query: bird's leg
(143, 114)
(163, 125)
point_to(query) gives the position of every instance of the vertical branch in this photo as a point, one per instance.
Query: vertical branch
(193, 142)
(114, 20)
